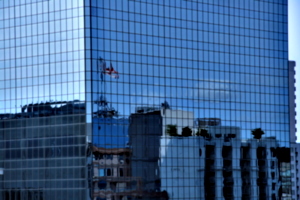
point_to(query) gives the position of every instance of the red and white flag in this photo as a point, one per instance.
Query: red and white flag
(111, 72)
(104, 70)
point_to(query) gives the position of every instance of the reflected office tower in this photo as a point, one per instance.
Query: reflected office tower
(86, 85)
(46, 143)
(145, 130)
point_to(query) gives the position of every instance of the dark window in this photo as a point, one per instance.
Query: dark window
(108, 172)
(121, 172)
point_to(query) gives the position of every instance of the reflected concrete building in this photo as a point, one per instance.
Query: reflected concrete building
(65, 63)
(112, 178)
(179, 118)
(145, 130)
(222, 167)
(181, 177)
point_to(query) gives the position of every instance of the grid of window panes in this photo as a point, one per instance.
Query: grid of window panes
(189, 99)
(213, 71)
(42, 100)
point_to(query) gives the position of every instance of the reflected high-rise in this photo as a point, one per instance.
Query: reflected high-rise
(144, 99)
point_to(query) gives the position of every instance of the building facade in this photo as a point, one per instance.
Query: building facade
(295, 170)
(293, 137)
(166, 85)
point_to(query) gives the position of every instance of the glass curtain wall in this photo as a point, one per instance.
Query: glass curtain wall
(190, 98)
(178, 99)
(42, 100)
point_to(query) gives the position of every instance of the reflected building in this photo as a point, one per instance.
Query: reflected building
(136, 99)
(111, 174)
(222, 166)
(295, 171)
(294, 145)
(145, 131)
(44, 143)
(128, 169)
(178, 118)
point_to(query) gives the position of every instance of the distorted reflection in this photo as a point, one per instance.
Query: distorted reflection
(162, 153)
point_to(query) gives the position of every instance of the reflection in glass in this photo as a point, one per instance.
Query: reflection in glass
(134, 99)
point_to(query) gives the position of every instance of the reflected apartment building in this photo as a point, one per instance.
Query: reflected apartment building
(140, 99)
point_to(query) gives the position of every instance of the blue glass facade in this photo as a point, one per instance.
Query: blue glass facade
(140, 99)
(42, 95)
(214, 59)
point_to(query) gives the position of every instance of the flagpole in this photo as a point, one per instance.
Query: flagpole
(102, 98)
(103, 106)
